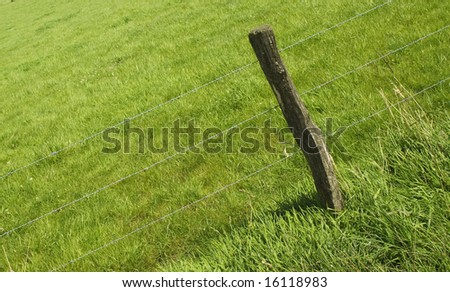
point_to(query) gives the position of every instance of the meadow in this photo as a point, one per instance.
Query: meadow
(71, 69)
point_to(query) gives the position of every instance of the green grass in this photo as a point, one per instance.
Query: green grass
(71, 69)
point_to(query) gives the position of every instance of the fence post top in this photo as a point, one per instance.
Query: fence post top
(262, 28)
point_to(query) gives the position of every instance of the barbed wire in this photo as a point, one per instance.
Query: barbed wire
(235, 182)
(235, 71)
(215, 136)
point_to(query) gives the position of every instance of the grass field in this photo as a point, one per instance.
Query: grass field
(70, 69)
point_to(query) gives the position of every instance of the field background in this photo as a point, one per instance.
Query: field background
(69, 69)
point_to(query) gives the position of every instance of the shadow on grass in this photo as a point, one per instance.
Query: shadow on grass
(298, 204)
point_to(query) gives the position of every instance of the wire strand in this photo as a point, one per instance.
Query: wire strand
(229, 185)
(173, 212)
(406, 99)
(336, 25)
(129, 176)
(214, 136)
(235, 71)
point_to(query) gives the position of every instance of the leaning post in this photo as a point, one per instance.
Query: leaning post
(307, 135)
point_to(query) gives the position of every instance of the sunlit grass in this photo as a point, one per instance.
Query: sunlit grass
(68, 70)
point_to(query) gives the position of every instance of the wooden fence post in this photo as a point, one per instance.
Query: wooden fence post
(306, 133)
